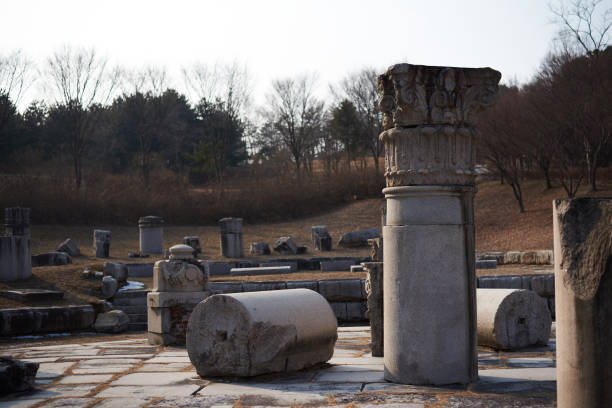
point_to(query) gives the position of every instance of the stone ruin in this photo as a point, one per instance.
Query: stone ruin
(151, 232)
(428, 116)
(15, 247)
(179, 284)
(101, 243)
(232, 245)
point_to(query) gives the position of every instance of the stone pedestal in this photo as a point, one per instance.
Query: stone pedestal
(583, 301)
(231, 237)
(429, 279)
(179, 284)
(101, 243)
(374, 289)
(151, 234)
(193, 242)
(321, 240)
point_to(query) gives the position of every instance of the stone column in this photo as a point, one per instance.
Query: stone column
(101, 243)
(583, 301)
(151, 234)
(231, 237)
(17, 221)
(429, 279)
(374, 289)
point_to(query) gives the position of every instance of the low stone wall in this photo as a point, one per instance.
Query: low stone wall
(35, 320)
(216, 268)
(542, 257)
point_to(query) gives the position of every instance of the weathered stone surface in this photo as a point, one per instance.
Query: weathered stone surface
(337, 265)
(15, 258)
(109, 286)
(17, 222)
(179, 276)
(45, 319)
(102, 306)
(500, 282)
(374, 290)
(263, 286)
(269, 270)
(140, 270)
(428, 116)
(321, 240)
(358, 238)
(285, 246)
(347, 290)
(151, 230)
(117, 270)
(583, 305)
(28, 295)
(16, 376)
(226, 287)
(356, 268)
(69, 247)
(115, 321)
(486, 264)
(247, 334)
(308, 284)
(193, 242)
(101, 243)
(542, 284)
(231, 237)
(511, 319)
(376, 249)
(260, 248)
(51, 259)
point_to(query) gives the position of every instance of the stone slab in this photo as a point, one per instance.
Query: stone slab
(140, 270)
(266, 270)
(28, 295)
(86, 379)
(52, 370)
(163, 378)
(149, 391)
(268, 264)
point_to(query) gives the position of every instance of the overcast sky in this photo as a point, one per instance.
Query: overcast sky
(284, 38)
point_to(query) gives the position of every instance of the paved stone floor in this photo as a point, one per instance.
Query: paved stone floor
(131, 373)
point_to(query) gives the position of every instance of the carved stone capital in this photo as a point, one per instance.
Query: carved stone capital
(178, 276)
(429, 155)
(412, 95)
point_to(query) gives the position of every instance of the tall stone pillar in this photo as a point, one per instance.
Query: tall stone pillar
(429, 280)
(583, 301)
(17, 221)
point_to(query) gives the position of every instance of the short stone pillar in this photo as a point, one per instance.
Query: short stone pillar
(429, 280)
(321, 240)
(179, 284)
(583, 301)
(17, 222)
(511, 319)
(15, 248)
(101, 243)
(252, 333)
(151, 234)
(193, 242)
(231, 237)
(374, 289)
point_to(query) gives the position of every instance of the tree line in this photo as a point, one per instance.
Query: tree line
(103, 118)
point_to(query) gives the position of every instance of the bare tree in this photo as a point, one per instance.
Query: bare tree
(578, 25)
(361, 89)
(148, 79)
(80, 79)
(296, 114)
(15, 75)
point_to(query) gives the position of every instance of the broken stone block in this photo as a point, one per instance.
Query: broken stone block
(51, 259)
(69, 247)
(260, 248)
(247, 334)
(193, 242)
(285, 246)
(151, 230)
(321, 240)
(115, 321)
(109, 287)
(16, 376)
(101, 243)
(28, 295)
(358, 238)
(101, 306)
(117, 270)
(511, 319)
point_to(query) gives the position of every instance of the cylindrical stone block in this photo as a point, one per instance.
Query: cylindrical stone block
(232, 245)
(246, 334)
(511, 319)
(151, 234)
(17, 221)
(101, 243)
(583, 301)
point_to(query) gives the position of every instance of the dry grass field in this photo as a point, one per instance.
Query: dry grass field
(499, 227)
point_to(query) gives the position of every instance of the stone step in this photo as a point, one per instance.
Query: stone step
(132, 294)
(137, 327)
(137, 317)
(137, 301)
(133, 309)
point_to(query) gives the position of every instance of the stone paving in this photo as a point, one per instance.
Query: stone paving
(131, 373)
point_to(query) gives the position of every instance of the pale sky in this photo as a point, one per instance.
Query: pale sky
(284, 38)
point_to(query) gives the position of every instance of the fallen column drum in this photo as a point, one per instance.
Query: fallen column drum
(247, 334)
